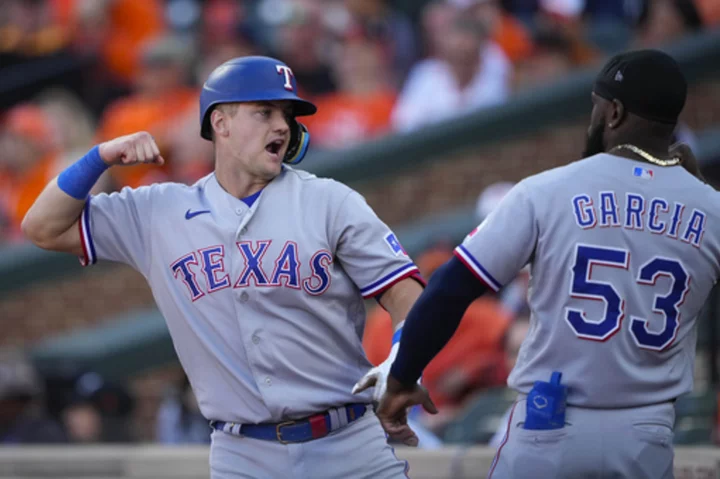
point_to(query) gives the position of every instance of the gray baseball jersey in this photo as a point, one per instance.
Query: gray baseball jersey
(264, 303)
(620, 268)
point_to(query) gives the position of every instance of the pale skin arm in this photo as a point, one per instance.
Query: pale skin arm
(399, 299)
(52, 221)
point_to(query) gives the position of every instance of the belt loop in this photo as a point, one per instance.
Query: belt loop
(343, 415)
(335, 421)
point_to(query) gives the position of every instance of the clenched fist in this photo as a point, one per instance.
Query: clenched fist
(131, 149)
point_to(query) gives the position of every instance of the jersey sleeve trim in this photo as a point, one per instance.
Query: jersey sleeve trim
(474, 265)
(419, 278)
(388, 280)
(89, 257)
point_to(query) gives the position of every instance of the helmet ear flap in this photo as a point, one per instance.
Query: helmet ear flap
(299, 142)
(205, 127)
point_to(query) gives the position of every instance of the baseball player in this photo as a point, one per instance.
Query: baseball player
(624, 248)
(260, 271)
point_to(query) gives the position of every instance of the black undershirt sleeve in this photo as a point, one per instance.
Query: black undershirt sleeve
(434, 318)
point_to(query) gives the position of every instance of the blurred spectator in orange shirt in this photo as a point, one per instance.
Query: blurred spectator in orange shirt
(27, 164)
(117, 31)
(37, 141)
(107, 37)
(161, 95)
(362, 106)
(472, 360)
(505, 30)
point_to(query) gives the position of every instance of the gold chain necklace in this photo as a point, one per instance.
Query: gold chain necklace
(647, 156)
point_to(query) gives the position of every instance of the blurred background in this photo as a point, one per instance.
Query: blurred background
(431, 109)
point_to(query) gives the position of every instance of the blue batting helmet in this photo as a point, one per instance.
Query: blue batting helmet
(246, 79)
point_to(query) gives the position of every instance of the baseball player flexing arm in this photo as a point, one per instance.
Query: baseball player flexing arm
(624, 248)
(260, 271)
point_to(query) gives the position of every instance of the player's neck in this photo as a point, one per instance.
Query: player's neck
(239, 183)
(657, 147)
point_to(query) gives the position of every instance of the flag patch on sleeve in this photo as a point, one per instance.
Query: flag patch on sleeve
(473, 232)
(643, 173)
(395, 245)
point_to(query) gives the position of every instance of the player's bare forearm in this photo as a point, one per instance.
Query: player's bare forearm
(399, 299)
(51, 222)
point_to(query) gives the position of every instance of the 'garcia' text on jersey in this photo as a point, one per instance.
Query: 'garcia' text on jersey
(635, 212)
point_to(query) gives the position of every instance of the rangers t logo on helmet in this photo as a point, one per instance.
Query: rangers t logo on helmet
(285, 70)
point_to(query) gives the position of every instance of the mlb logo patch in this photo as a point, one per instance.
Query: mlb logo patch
(395, 245)
(644, 173)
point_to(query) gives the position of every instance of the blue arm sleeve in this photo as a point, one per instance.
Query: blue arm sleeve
(434, 318)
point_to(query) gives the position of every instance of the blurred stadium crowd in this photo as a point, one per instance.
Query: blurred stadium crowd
(77, 72)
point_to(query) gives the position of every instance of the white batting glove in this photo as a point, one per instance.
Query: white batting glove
(377, 376)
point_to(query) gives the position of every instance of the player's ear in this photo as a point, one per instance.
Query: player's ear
(617, 114)
(219, 122)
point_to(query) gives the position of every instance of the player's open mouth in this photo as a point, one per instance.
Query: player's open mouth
(274, 147)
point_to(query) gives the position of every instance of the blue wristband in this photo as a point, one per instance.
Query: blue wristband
(396, 336)
(78, 179)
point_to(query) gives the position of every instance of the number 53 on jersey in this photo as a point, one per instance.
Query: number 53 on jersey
(666, 302)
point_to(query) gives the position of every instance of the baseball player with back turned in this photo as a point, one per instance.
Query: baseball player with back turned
(260, 271)
(624, 248)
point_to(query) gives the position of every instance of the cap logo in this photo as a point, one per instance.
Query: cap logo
(287, 72)
(619, 76)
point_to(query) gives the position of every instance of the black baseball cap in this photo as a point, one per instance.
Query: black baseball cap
(649, 83)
